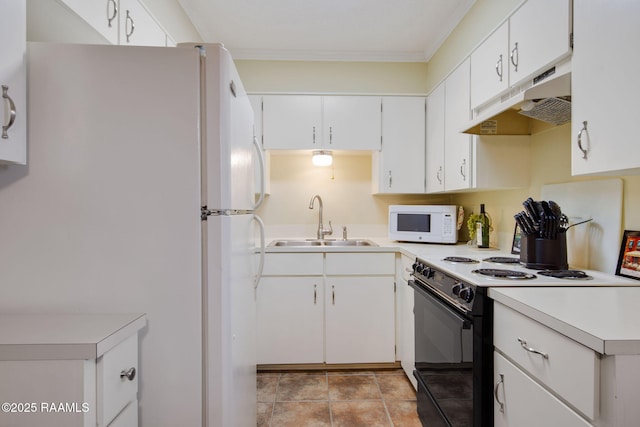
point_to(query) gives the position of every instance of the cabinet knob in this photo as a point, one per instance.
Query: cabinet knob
(129, 374)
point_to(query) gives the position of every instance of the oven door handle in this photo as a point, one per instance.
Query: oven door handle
(466, 323)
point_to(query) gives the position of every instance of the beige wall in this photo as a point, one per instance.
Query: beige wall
(346, 189)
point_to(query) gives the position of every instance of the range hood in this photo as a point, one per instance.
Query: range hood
(546, 97)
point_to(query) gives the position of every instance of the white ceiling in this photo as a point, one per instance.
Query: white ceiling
(353, 30)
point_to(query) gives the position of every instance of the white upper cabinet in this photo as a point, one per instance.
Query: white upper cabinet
(102, 15)
(457, 145)
(539, 34)
(490, 66)
(137, 26)
(294, 122)
(435, 140)
(291, 122)
(13, 95)
(352, 122)
(124, 22)
(534, 37)
(399, 167)
(604, 86)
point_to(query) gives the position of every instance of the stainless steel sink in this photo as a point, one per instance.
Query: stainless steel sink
(295, 243)
(358, 242)
(307, 243)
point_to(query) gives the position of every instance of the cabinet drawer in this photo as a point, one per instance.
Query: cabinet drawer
(521, 402)
(569, 369)
(115, 390)
(360, 263)
(292, 264)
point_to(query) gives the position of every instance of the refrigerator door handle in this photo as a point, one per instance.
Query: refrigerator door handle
(257, 219)
(260, 200)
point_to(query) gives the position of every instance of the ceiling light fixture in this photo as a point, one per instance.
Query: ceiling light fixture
(322, 158)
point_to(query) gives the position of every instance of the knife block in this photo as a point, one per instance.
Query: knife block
(544, 254)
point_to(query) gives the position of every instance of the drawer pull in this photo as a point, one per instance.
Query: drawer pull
(523, 344)
(129, 374)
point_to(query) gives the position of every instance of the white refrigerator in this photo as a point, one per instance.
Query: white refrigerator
(139, 196)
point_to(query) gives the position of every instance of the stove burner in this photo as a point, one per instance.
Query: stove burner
(504, 274)
(502, 260)
(461, 259)
(566, 274)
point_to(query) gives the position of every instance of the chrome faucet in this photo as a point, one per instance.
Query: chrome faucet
(321, 230)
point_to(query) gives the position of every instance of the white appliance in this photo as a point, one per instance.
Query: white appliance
(128, 147)
(423, 223)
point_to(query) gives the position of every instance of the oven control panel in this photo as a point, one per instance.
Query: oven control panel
(458, 293)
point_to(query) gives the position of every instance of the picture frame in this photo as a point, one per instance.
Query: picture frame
(629, 258)
(517, 237)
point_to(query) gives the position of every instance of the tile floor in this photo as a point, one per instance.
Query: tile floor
(336, 399)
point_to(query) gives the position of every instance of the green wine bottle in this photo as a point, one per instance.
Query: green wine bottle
(482, 228)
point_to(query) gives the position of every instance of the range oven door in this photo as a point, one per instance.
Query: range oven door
(444, 361)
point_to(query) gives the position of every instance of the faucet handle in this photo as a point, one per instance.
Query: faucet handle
(329, 231)
(344, 232)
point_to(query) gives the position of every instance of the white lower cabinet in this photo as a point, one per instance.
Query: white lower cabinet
(360, 325)
(405, 319)
(519, 401)
(55, 371)
(290, 320)
(334, 308)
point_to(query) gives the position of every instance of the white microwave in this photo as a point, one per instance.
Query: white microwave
(423, 223)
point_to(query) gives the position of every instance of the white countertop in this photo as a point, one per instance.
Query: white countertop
(64, 336)
(605, 319)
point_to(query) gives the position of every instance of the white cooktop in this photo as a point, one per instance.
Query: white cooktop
(465, 271)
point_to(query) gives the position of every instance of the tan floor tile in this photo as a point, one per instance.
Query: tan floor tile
(353, 387)
(296, 387)
(396, 387)
(264, 414)
(366, 413)
(267, 385)
(403, 413)
(301, 414)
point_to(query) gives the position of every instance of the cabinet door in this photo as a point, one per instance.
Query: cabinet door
(457, 145)
(435, 140)
(604, 86)
(406, 320)
(402, 161)
(352, 122)
(539, 35)
(13, 95)
(520, 402)
(137, 26)
(291, 122)
(490, 67)
(290, 320)
(360, 326)
(102, 15)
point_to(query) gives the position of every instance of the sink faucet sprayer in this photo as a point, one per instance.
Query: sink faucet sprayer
(321, 230)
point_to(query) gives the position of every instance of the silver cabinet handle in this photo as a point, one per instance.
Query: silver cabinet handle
(515, 59)
(584, 129)
(499, 67)
(128, 32)
(390, 180)
(129, 374)
(330, 134)
(523, 344)
(438, 175)
(314, 134)
(111, 17)
(315, 294)
(12, 111)
(463, 169)
(495, 392)
(333, 295)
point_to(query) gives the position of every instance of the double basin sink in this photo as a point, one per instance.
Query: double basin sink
(308, 243)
